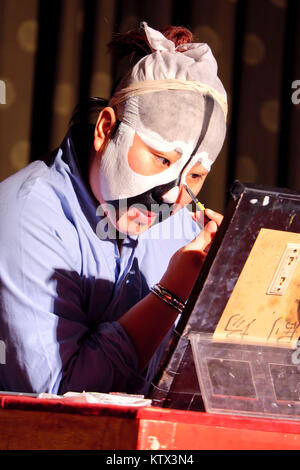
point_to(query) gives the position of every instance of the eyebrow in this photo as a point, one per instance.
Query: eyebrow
(204, 171)
(169, 151)
(166, 153)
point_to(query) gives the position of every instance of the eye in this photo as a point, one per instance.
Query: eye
(196, 176)
(162, 160)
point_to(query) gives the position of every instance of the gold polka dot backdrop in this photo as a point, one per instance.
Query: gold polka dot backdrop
(254, 49)
(279, 3)
(247, 170)
(63, 99)
(67, 69)
(262, 119)
(80, 21)
(269, 115)
(128, 22)
(101, 80)
(205, 33)
(101, 84)
(27, 35)
(18, 46)
(19, 154)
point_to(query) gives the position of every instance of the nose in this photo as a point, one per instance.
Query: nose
(171, 196)
(177, 195)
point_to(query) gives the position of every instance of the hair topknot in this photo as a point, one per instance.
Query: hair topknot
(178, 34)
(134, 43)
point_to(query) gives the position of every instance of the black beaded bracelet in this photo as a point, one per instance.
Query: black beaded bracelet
(167, 296)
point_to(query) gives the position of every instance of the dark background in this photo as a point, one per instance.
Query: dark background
(52, 55)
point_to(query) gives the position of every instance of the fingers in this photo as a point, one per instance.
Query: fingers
(209, 231)
(211, 227)
(203, 240)
(212, 221)
(215, 216)
(203, 217)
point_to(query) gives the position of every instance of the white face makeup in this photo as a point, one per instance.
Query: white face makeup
(183, 120)
(117, 179)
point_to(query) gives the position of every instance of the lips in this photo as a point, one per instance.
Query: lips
(142, 216)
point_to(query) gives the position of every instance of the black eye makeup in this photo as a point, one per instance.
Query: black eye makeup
(196, 176)
(162, 160)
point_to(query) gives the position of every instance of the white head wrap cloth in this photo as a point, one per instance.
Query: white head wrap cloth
(163, 99)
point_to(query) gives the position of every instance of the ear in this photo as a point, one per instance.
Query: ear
(104, 127)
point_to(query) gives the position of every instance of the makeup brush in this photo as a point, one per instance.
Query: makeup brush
(196, 201)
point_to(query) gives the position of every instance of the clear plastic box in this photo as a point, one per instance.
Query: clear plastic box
(247, 379)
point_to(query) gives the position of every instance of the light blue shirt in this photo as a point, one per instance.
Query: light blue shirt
(63, 288)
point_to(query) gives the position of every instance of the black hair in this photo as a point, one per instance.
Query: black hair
(88, 112)
(81, 126)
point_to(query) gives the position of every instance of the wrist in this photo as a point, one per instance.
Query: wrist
(168, 297)
(178, 287)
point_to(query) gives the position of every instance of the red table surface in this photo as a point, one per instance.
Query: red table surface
(33, 423)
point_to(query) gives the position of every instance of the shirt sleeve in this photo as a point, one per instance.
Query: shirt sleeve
(49, 345)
